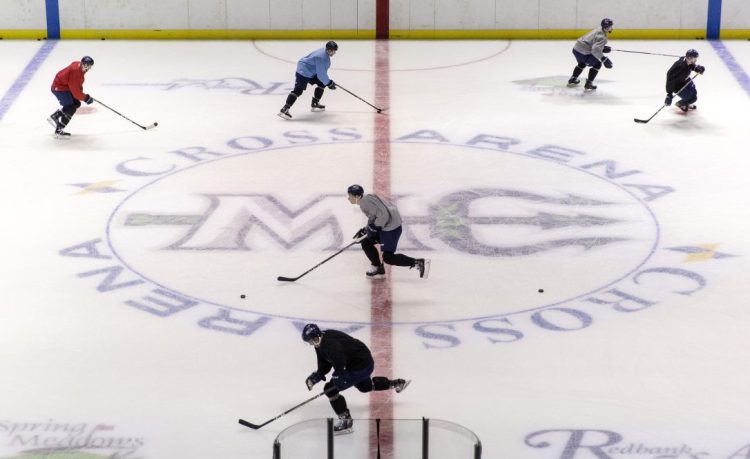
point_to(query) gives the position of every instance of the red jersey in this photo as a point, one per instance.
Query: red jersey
(70, 79)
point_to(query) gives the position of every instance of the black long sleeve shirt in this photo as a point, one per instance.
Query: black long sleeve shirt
(341, 352)
(678, 74)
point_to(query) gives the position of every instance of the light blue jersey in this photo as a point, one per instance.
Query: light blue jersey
(315, 64)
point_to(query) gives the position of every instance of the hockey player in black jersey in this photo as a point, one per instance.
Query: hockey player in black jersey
(352, 365)
(678, 76)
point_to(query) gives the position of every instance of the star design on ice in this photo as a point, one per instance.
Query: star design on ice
(701, 252)
(103, 186)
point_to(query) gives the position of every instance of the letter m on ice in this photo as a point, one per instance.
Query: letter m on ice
(255, 222)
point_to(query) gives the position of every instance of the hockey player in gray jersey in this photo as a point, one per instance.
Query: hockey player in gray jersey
(384, 228)
(589, 51)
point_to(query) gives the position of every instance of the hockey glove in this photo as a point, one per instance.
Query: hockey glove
(607, 62)
(314, 379)
(668, 100)
(331, 85)
(606, 49)
(700, 69)
(89, 100)
(361, 232)
(372, 232)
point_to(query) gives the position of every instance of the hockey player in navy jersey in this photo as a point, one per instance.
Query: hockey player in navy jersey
(384, 228)
(589, 51)
(678, 76)
(312, 69)
(352, 365)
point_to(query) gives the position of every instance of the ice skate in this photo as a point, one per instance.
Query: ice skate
(573, 81)
(316, 107)
(54, 120)
(60, 134)
(284, 113)
(400, 384)
(589, 86)
(692, 107)
(683, 106)
(376, 271)
(423, 266)
(344, 424)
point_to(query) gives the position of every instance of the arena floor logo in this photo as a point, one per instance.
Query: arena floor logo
(608, 444)
(502, 220)
(82, 440)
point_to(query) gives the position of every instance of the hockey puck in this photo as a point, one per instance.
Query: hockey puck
(242, 296)
(156, 124)
(541, 290)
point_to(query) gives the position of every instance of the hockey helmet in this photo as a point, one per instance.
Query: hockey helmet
(691, 53)
(310, 332)
(355, 190)
(332, 45)
(87, 60)
(607, 23)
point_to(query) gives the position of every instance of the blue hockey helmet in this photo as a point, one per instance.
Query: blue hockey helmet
(691, 53)
(332, 45)
(607, 23)
(310, 332)
(87, 60)
(355, 190)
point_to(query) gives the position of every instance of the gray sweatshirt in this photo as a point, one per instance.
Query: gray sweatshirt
(592, 43)
(380, 212)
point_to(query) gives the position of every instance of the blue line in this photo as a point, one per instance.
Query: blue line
(25, 76)
(734, 68)
(53, 19)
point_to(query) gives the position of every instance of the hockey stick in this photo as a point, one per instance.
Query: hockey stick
(292, 279)
(644, 52)
(376, 108)
(258, 426)
(665, 105)
(142, 127)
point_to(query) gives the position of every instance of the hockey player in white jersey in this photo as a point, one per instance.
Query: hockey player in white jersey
(589, 51)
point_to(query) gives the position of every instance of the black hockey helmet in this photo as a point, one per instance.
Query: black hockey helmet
(87, 60)
(355, 190)
(310, 332)
(607, 23)
(691, 53)
(332, 45)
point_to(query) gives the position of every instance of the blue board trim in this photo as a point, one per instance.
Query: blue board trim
(53, 19)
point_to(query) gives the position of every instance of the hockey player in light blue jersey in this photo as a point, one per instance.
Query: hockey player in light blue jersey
(312, 69)
(589, 51)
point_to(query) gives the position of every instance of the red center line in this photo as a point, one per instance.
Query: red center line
(381, 402)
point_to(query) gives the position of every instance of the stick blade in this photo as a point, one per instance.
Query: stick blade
(151, 126)
(640, 121)
(249, 424)
(286, 279)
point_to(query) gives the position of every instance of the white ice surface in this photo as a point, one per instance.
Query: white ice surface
(667, 373)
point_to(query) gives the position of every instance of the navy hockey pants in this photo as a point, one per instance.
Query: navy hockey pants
(689, 95)
(587, 60)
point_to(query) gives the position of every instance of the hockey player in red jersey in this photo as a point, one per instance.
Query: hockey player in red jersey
(68, 88)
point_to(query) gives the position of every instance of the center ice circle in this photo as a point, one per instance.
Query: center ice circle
(498, 226)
